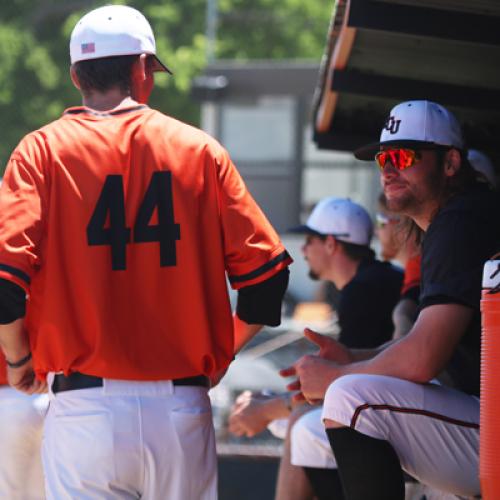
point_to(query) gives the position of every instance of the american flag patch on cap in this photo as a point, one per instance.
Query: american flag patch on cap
(88, 48)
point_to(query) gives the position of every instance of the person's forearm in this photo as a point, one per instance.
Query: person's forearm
(388, 363)
(366, 354)
(14, 341)
(243, 333)
(403, 317)
(278, 406)
(421, 354)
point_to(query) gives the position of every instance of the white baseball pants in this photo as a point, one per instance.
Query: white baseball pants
(130, 440)
(21, 422)
(433, 429)
(309, 445)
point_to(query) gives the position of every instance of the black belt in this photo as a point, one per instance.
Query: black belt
(79, 380)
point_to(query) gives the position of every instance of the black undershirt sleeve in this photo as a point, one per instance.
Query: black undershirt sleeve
(261, 304)
(12, 302)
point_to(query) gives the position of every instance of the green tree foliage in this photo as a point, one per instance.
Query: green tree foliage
(34, 61)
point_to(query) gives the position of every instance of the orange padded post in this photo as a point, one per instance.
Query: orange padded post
(489, 470)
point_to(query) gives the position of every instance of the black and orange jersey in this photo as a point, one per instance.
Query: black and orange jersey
(121, 227)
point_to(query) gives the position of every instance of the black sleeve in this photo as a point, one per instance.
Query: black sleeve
(12, 302)
(261, 304)
(353, 324)
(453, 256)
(365, 315)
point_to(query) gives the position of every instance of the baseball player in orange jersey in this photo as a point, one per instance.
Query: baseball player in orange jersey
(120, 224)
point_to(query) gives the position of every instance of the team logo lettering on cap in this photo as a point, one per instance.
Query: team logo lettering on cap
(392, 125)
(88, 48)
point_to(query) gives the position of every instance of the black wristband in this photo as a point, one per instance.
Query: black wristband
(19, 363)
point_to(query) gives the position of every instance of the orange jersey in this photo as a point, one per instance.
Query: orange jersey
(121, 227)
(3, 370)
(412, 274)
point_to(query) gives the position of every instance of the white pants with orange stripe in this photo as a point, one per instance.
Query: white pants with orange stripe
(433, 429)
(130, 440)
(21, 422)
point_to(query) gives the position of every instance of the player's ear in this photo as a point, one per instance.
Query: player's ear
(331, 244)
(74, 77)
(139, 69)
(452, 162)
(141, 79)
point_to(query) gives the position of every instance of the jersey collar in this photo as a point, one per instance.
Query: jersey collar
(78, 110)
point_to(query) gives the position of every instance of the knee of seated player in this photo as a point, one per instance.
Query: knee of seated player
(352, 401)
(352, 390)
(302, 433)
(344, 396)
(345, 389)
(309, 443)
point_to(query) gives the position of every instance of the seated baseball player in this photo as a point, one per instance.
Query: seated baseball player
(396, 245)
(309, 443)
(381, 411)
(337, 248)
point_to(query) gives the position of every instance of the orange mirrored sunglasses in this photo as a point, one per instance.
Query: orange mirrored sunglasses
(399, 158)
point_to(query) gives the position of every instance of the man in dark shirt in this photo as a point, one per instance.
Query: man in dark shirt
(381, 409)
(337, 248)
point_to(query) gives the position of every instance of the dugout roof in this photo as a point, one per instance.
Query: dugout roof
(381, 52)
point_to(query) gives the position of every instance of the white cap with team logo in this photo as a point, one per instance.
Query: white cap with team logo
(340, 217)
(113, 30)
(416, 124)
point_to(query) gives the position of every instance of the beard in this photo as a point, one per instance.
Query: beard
(314, 276)
(408, 201)
(402, 204)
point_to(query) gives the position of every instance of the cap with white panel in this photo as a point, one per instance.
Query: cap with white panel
(113, 30)
(340, 217)
(416, 124)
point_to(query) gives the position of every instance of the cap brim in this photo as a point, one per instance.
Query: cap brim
(304, 229)
(159, 66)
(369, 151)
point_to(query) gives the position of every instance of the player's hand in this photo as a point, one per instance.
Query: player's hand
(314, 375)
(250, 414)
(23, 379)
(329, 348)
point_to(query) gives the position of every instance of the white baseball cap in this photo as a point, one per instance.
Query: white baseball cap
(113, 30)
(416, 124)
(482, 164)
(340, 217)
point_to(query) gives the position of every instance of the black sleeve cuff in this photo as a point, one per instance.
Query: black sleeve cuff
(261, 304)
(12, 302)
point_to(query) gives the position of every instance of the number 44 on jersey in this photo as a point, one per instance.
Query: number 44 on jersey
(117, 235)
